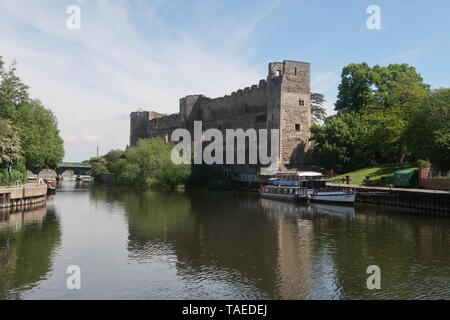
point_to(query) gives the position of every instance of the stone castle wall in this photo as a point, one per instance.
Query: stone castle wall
(282, 101)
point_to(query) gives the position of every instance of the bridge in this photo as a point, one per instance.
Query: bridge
(79, 169)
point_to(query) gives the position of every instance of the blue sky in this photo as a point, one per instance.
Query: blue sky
(148, 54)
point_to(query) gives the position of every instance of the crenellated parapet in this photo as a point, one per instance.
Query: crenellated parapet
(281, 101)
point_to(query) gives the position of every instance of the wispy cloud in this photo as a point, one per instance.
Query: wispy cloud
(404, 57)
(125, 56)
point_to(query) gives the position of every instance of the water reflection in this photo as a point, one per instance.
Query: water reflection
(144, 244)
(265, 248)
(28, 238)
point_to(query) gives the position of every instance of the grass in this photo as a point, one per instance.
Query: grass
(375, 173)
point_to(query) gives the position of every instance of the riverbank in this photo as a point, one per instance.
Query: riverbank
(30, 193)
(383, 174)
(434, 201)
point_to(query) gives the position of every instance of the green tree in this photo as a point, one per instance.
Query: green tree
(36, 126)
(385, 97)
(112, 157)
(318, 110)
(13, 91)
(148, 164)
(389, 114)
(39, 134)
(428, 133)
(340, 143)
(362, 86)
(9, 144)
(355, 89)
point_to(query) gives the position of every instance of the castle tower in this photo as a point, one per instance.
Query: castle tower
(138, 126)
(289, 108)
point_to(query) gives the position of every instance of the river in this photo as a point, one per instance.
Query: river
(142, 244)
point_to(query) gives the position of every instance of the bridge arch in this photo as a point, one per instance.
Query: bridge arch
(79, 169)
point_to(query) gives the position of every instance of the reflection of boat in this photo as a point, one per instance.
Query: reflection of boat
(329, 209)
(314, 209)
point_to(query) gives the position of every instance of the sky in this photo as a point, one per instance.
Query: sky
(143, 54)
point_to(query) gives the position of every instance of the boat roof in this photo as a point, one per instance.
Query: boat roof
(300, 173)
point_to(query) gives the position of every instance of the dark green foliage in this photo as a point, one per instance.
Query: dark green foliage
(340, 143)
(18, 174)
(208, 177)
(148, 164)
(362, 86)
(375, 105)
(355, 88)
(428, 133)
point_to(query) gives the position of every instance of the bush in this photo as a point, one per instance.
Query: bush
(19, 173)
(148, 164)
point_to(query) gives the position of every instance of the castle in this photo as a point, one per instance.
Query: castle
(282, 101)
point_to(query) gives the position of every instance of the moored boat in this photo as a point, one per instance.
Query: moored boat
(305, 185)
(284, 192)
(333, 196)
(51, 187)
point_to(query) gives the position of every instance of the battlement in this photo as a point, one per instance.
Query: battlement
(282, 100)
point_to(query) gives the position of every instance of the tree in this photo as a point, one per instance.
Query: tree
(318, 110)
(362, 86)
(385, 97)
(13, 91)
(428, 133)
(36, 126)
(340, 143)
(9, 144)
(38, 130)
(389, 114)
(355, 89)
(148, 164)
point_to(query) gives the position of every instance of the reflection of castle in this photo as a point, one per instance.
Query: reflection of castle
(231, 235)
(280, 102)
(294, 248)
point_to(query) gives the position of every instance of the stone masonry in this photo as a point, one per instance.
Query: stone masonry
(282, 101)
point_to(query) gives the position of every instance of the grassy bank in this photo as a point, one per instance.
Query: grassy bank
(376, 173)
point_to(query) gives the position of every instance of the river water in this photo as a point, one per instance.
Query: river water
(141, 244)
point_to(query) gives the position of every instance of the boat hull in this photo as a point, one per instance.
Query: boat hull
(333, 197)
(283, 196)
